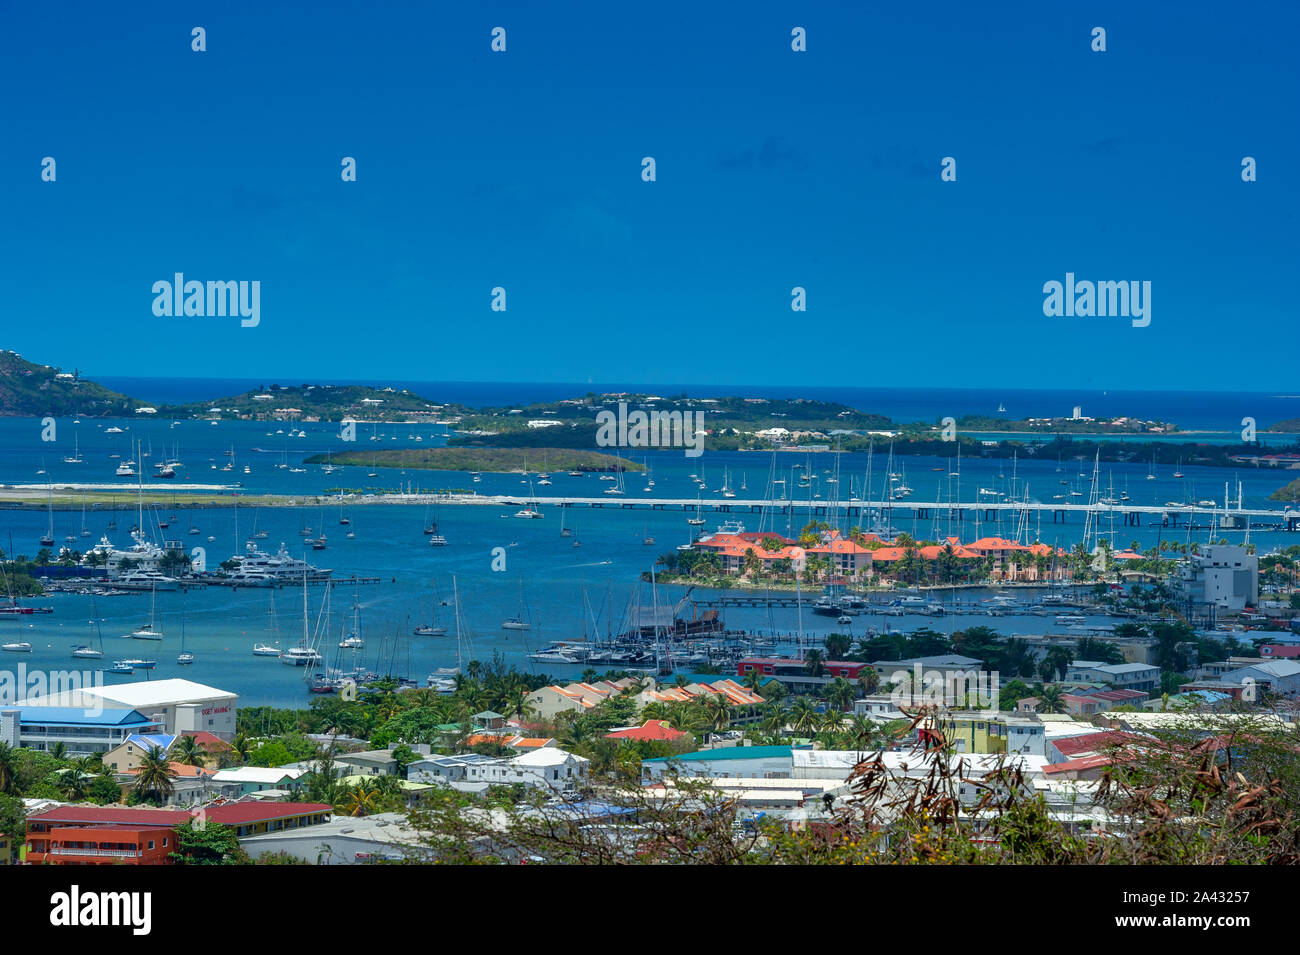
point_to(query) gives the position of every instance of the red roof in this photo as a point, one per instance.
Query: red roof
(653, 729)
(112, 815)
(1074, 765)
(242, 813)
(230, 814)
(1092, 742)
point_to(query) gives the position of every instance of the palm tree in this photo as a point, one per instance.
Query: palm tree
(190, 753)
(154, 778)
(59, 750)
(774, 719)
(803, 716)
(814, 662)
(715, 712)
(241, 748)
(840, 693)
(74, 783)
(1050, 700)
(360, 801)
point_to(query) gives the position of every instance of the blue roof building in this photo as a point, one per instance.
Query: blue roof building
(83, 731)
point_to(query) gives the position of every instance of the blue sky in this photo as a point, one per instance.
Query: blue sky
(775, 169)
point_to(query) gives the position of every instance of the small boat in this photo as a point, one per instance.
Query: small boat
(146, 632)
(120, 666)
(844, 619)
(352, 642)
(515, 623)
(528, 513)
(185, 658)
(85, 652)
(265, 650)
(137, 664)
(16, 647)
(429, 631)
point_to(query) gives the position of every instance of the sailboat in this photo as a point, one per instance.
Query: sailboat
(564, 531)
(76, 453)
(185, 657)
(1151, 474)
(48, 539)
(148, 631)
(1179, 472)
(435, 536)
(271, 649)
(698, 519)
(431, 629)
(85, 651)
(443, 678)
(518, 622)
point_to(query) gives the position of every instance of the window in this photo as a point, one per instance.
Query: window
(150, 843)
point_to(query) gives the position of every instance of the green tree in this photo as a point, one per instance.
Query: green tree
(207, 843)
(153, 780)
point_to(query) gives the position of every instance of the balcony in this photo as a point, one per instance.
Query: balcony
(100, 853)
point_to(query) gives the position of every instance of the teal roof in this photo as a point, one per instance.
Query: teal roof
(728, 752)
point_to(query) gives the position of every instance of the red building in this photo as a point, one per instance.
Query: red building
(122, 835)
(789, 666)
(103, 835)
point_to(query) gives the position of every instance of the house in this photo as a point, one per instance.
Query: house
(191, 785)
(128, 755)
(251, 779)
(545, 767)
(1067, 748)
(657, 730)
(986, 732)
(1125, 676)
(549, 701)
(733, 692)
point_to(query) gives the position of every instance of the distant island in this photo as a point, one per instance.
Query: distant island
(1289, 493)
(736, 423)
(481, 459)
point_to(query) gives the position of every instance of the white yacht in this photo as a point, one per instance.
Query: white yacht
(146, 580)
(558, 653)
(528, 513)
(300, 657)
(265, 650)
(255, 564)
(126, 469)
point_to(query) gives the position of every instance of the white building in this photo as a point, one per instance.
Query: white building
(178, 707)
(1122, 676)
(548, 767)
(1223, 575)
